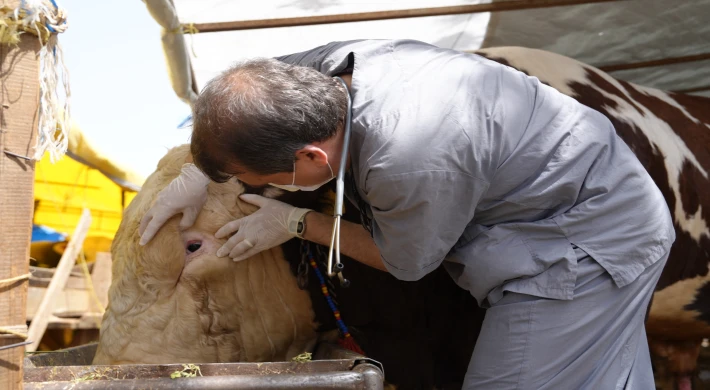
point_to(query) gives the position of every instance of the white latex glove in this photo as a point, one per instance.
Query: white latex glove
(186, 194)
(273, 224)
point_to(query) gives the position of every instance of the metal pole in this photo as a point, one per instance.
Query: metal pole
(365, 376)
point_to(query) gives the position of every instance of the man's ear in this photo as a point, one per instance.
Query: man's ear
(312, 153)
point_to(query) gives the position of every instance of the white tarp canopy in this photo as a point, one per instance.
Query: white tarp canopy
(623, 34)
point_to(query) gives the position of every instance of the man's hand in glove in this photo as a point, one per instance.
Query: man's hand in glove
(186, 194)
(273, 224)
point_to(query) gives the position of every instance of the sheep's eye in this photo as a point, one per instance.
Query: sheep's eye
(193, 247)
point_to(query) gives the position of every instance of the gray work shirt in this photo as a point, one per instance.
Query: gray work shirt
(476, 165)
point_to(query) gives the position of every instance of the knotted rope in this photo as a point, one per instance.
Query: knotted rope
(45, 19)
(10, 330)
(22, 335)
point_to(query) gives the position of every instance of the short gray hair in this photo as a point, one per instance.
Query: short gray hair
(259, 112)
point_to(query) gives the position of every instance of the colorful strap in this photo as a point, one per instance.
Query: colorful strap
(346, 340)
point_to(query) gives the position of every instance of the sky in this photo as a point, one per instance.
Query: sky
(121, 94)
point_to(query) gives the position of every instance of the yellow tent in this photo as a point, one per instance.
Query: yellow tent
(83, 178)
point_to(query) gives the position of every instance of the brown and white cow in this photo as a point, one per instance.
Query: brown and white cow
(670, 134)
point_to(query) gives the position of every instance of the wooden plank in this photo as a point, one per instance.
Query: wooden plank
(76, 299)
(61, 274)
(75, 282)
(87, 321)
(19, 101)
(64, 303)
(42, 276)
(42, 272)
(101, 277)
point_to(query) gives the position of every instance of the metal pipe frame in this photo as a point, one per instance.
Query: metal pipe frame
(363, 376)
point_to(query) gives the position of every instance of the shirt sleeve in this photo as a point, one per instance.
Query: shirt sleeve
(418, 217)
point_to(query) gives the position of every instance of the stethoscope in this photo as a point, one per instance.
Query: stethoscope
(339, 192)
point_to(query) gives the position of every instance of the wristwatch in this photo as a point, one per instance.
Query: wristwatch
(298, 227)
(301, 225)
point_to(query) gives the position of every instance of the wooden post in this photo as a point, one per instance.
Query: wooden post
(59, 280)
(19, 102)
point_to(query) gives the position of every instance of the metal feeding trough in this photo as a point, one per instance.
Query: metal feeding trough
(332, 367)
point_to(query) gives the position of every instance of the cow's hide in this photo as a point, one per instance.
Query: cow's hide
(670, 135)
(168, 305)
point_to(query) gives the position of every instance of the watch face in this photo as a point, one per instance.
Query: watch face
(300, 228)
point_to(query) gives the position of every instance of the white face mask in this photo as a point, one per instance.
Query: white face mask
(293, 187)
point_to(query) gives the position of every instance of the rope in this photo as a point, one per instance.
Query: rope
(45, 19)
(346, 340)
(7, 282)
(189, 28)
(21, 335)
